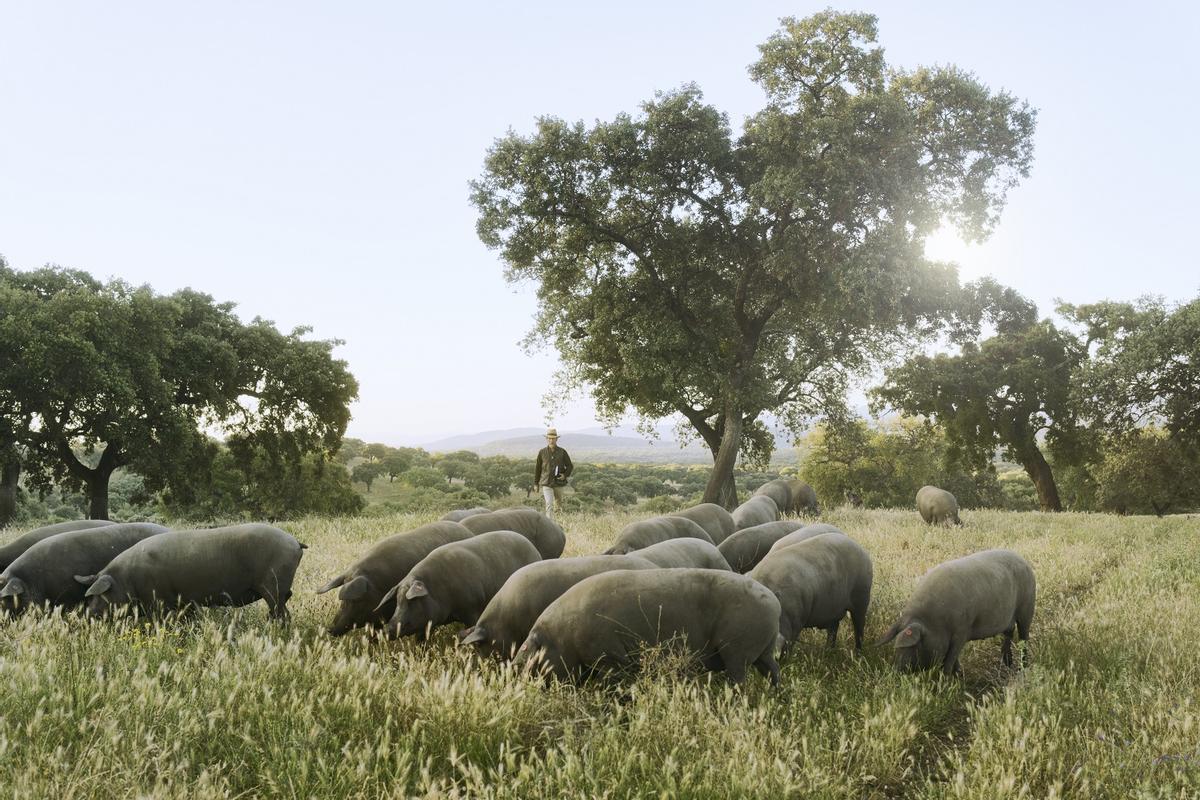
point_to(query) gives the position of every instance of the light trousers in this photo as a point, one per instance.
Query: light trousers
(553, 496)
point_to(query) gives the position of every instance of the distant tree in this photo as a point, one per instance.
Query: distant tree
(488, 479)
(1144, 366)
(452, 469)
(366, 473)
(424, 477)
(1148, 471)
(252, 485)
(683, 269)
(103, 375)
(394, 463)
(1008, 392)
(465, 456)
(884, 466)
(376, 451)
(350, 450)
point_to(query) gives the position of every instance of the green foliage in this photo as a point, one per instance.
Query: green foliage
(395, 463)
(1145, 366)
(468, 456)
(350, 450)
(884, 466)
(683, 269)
(661, 504)
(425, 500)
(101, 375)
(1006, 392)
(424, 477)
(1149, 471)
(452, 468)
(248, 482)
(366, 473)
(1077, 485)
(1017, 492)
(492, 482)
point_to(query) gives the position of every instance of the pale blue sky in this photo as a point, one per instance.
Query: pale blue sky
(310, 161)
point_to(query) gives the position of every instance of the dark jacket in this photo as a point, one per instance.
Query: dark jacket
(550, 465)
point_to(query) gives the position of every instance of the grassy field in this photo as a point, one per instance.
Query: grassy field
(228, 705)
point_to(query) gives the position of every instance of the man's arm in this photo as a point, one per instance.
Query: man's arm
(537, 469)
(567, 465)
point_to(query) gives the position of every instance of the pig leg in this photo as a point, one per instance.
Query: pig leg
(1006, 647)
(951, 666)
(735, 663)
(768, 667)
(858, 616)
(831, 633)
(276, 601)
(1024, 620)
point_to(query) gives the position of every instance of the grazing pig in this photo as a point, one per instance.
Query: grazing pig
(726, 621)
(535, 526)
(747, 547)
(716, 521)
(758, 510)
(45, 573)
(232, 566)
(804, 498)
(510, 615)
(674, 553)
(460, 514)
(937, 506)
(367, 580)
(10, 551)
(455, 582)
(974, 597)
(817, 581)
(780, 491)
(804, 534)
(645, 532)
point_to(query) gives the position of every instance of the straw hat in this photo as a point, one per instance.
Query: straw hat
(552, 433)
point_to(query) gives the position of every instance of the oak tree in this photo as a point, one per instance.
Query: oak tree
(1009, 392)
(685, 269)
(103, 375)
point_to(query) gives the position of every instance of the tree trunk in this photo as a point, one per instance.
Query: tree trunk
(97, 482)
(1038, 470)
(10, 475)
(721, 488)
(97, 488)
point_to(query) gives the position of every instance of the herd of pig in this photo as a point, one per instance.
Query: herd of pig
(735, 589)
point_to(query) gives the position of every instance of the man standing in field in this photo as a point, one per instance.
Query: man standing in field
(551, 472)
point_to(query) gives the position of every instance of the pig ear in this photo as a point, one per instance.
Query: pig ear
(86, 580)
(416, 590)
(891, 634)
(475, 635)
(333, 584)
(909, 636)
(391, 595)
(354, 589)
(13, 587)
(101, 585)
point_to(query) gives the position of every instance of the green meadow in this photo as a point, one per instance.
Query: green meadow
(226, 704)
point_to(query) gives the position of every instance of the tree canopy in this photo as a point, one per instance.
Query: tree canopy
(102, 375)
(1008, 392)
(683, 269)
(1144, 366)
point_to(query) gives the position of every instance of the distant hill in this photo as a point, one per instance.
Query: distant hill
(590, 447)
(471, 441)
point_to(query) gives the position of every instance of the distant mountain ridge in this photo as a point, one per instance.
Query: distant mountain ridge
(591, 445)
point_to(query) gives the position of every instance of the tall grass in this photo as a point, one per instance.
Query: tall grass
(226, 704)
